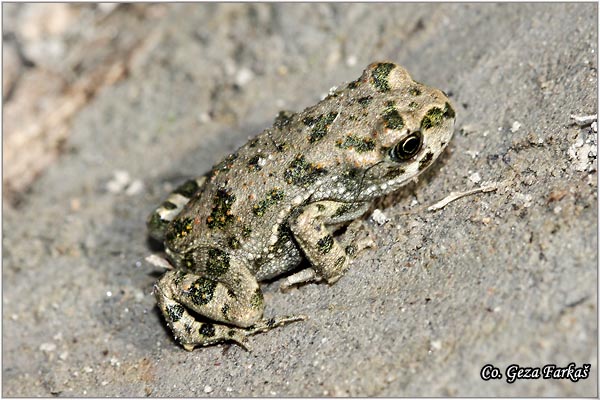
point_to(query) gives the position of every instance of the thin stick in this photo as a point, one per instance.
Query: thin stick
(457, 195)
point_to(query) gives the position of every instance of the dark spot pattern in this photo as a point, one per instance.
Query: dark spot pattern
(341, 210)
(359, 144)
(167, 205)
(350, 250)
(175, 312)
(180, 227)
(425, 161)
(392, 118)
(253, 164)
(325, 244)
(380, 76)
(179, 275)
(354, 84)
(202, 291)
(188, 260)
(319, 125)
(365, 101)
(225, 310)
(246, 231)
(257, 299)
(435, 116)
(233, 243)
(339, 262)
(273, 197)
(207, 330)
(302, 173)
(393, 172)
(217, 263)
(449, 111)
(188, 188)
(156, 224)
(221, 215)
(414, 91)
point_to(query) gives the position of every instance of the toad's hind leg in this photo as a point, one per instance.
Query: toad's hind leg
(161, 217)
(240, 309)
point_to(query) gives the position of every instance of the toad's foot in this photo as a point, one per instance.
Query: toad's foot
(239, 336)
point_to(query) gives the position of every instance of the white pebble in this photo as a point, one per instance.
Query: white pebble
(515, 126)
(379, 217)
(475, 177)
(48, 347)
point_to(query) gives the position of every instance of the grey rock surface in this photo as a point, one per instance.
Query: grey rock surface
(496, 278)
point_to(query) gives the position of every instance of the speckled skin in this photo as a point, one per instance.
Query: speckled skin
(275, 200)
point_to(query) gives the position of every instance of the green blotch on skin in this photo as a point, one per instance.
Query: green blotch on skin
(414, 91)
(435, 116)
(188, 188)
(257, 299)
(302, 173)
(425, 161)
(392, 118)
(217, 263)
(175, 312)
(413, 105)
(246, 231)
(207, 330)
(202, 291)
(320, 207)
(253, 164)
(179, 228)
(319, 125)
(380, 76)
(233, 243)
(273, 197)
(221, 215)
(359, 144)
(341, 210)
(365, 101)
(325, 244)
(449, 111)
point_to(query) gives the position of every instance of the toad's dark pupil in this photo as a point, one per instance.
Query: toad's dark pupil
(411, 145)
(407, 148)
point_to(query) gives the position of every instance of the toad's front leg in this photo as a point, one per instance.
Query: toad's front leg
(328, 257)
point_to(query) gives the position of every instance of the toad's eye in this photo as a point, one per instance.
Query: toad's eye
(407, 147)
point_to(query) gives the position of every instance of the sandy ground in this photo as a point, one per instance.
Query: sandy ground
(496, 278)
